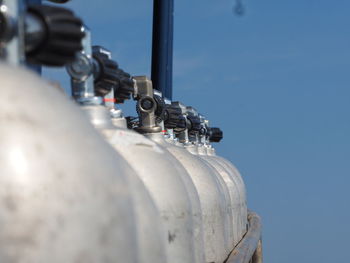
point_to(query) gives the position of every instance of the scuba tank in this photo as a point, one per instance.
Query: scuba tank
(213, 201)
(235, 184)
(147, 159)
(213, 193)
(87, 73)
(215, 135)
(149, 106)
(62, 199)
(216, 207)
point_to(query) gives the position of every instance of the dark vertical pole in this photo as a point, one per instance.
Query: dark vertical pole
(162, 47)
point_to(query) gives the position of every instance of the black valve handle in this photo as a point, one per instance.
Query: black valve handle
(193, 124)
(109, 76)
(105, 73)
(125, 88)
(160, 110)
(215, 134)
(62, 37)
(173, 117)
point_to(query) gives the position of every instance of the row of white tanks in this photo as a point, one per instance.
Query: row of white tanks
(77, 185)
(69, 194)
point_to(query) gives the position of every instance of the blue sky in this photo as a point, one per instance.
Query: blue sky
(277, 82)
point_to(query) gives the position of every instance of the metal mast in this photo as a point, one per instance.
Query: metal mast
(162, 47)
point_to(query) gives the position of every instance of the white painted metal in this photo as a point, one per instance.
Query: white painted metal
(213, 201)
(165, 179)
(151, 241)
(228, 218)
(234, 191)
(237, 178)
(150, 230)
(63, 191)
(198, 231)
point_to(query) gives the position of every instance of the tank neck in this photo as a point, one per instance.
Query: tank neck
(157, 137)
(202, 149)
(183, 137)
(117, 119)
(211, 151)
(99, 116)
(192, 148)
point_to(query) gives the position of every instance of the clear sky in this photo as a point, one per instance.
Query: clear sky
(277, 82)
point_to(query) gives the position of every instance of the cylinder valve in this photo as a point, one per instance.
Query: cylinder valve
(53, 35)
(105, 71)
(215, 134)
(109, 76)
(173, 118)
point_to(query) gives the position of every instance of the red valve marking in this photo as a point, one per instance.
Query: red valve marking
(109, 100)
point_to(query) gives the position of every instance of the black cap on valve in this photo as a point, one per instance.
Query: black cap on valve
(193, 124)
(106, 72)
(109, 76)
(181, 125)
(62, 38)
(173, 117)
(215, 134)
(125, 88)
(160, 110)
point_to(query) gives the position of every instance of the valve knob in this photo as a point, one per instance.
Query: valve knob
(106, 75)
(182, 122)
(62, 38)
(173, 117)
(160, 110)
(215, 134)
(194, 124)
(125, 88)
(109, 76)
(181, 125)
